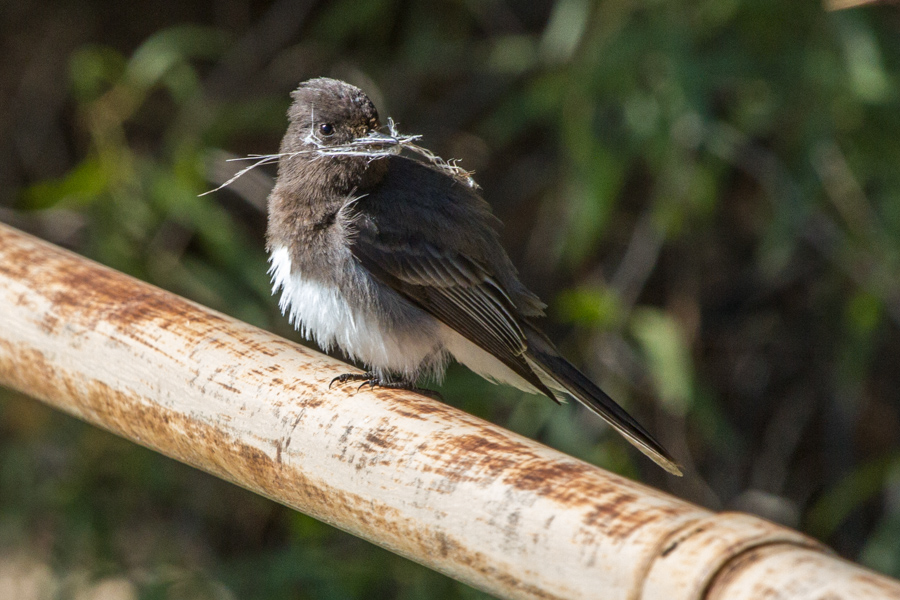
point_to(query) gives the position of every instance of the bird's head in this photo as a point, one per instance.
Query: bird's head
(330, 115)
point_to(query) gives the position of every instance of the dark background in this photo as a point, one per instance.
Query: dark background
(707, 193)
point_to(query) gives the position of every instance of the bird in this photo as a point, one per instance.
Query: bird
(397, 261)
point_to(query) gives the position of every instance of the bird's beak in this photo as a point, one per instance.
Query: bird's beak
(379, 143)
(379, 139)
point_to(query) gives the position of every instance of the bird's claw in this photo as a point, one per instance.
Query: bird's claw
(373, 380)
(365, 377)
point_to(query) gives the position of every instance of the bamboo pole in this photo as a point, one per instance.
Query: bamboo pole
(411, 474)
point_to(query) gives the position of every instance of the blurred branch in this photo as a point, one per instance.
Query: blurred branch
(641, 257)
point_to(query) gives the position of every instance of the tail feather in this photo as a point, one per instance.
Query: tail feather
(558, 370)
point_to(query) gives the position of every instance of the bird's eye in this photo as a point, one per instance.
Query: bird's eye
(326, 129)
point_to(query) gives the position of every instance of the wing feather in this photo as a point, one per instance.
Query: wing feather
(456, 290)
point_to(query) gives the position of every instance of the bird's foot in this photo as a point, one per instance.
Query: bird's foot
(364, 377)
(373, 380)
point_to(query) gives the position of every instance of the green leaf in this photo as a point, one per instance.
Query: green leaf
(93, 70)
(164, 50)
(82, 184)
(595, 307)
(848, 495)
(667, 355)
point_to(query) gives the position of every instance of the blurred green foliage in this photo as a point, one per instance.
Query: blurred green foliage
(707, 194)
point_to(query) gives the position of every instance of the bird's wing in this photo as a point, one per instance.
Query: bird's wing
(453, 288)
(462, 294)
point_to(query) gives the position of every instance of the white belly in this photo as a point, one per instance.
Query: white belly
(322, 314)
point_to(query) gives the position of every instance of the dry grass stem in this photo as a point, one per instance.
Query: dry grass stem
(372, 146)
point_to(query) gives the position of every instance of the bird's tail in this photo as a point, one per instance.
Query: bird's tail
(560, 373)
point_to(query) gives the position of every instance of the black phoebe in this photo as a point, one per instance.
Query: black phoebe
(397, 261)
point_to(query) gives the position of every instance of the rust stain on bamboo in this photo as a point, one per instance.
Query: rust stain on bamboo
(199, 444)
(86, 293)
(489, 456)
